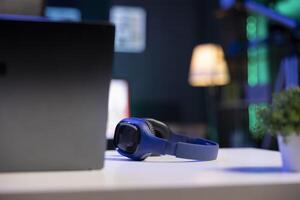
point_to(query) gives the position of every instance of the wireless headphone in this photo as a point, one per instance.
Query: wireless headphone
(138, 138)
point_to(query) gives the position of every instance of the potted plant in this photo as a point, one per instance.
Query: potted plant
(282, 119)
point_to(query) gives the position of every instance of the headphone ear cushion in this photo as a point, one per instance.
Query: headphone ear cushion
(158, 128)
(152, 130)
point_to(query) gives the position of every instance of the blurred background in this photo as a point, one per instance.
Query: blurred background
(156, 63)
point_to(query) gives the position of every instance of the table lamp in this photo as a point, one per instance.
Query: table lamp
(208, 68)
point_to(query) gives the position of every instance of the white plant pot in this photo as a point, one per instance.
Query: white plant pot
(290, 152)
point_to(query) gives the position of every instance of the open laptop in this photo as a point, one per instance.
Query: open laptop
(54, 84)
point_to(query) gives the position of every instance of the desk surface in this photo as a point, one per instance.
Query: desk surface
(236, 174)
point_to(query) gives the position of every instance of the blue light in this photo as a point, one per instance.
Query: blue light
(225, 4)
(22, 18)
(63, 14)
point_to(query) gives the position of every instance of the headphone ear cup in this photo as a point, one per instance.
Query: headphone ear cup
(158, 128)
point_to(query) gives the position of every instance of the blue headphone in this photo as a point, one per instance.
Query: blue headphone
(138, 138)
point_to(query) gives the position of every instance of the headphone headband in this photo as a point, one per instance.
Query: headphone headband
(189, 148)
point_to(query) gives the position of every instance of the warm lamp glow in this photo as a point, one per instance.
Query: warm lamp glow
(208, 66)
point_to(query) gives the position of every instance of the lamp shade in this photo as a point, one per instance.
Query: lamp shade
(208, 66)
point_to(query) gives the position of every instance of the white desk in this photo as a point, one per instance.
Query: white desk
(237, 174)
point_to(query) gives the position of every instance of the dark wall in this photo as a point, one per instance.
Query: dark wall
(158, 76)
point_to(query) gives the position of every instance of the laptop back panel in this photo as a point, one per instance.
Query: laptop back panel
(54, 82)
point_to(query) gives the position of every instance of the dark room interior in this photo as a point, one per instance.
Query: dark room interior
(182, 99)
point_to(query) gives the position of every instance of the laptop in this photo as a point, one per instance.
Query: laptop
(54, 84)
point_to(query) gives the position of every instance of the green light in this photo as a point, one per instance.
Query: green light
(252, 53)
(252, 116)
(262, 27)
(263, 51)
(252, 109)
(251, 36)
(263, 65)
(258, 65)
(251, 19)
(252, 74)
(263, 74)
(251, 28)
(289, 8)
(252, 66)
